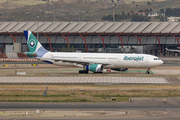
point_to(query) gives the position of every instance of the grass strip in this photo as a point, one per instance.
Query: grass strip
(82, 96)
(89, 87)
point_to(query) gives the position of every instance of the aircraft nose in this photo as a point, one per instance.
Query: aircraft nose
(161, 62)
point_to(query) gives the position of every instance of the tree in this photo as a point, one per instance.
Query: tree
(161, 18)
(171, 12)
(123, 14)
(118, 17)
(107, 17)
(150, 10)
(72, 49)
(136, 17)
(63, 49)
(148, 3)
(141, 11)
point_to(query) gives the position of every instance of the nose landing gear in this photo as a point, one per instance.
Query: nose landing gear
(148, 71)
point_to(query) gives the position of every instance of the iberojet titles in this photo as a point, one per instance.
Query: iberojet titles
(133, 58)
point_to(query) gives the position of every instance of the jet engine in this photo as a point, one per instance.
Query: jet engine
(120, 69)
(96, 68)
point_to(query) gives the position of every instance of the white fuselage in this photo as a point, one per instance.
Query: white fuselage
(113, 60)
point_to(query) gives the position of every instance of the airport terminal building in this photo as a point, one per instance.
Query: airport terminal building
(152, 37)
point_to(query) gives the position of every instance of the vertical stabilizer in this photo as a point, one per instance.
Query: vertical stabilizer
(34, 45)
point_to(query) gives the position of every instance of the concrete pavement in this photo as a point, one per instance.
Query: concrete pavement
(139, 108)
(83, 80)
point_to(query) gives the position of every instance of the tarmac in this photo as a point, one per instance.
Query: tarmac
(135, 109)
(138, 108)
(51, 74)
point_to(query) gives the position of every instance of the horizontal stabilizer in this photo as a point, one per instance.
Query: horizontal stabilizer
(31, 54)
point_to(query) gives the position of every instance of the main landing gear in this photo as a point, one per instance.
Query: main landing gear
(148, 71)
(83, 72)
(98, 72)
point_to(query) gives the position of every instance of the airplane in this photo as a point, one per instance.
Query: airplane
(172, 50)
(94, 62)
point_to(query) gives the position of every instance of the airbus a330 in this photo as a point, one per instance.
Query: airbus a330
(94, 62)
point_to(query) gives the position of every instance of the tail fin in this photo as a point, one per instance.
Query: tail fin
(34, 46)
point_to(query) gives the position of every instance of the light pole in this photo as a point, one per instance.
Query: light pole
(37, 28)
(113, 13)
(164, 14)
(79, 15)
(54, 15)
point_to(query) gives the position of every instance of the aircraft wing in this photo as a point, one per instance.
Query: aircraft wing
(82, 62)
(173, 50)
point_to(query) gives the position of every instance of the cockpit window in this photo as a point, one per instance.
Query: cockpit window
(156, 59)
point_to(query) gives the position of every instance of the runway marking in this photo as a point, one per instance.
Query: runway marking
(164, 99)
(101, 110)
(24, 109)
(40, 103)
(38, 117)
(165, 113)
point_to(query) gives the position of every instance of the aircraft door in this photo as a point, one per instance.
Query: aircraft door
(79, 57)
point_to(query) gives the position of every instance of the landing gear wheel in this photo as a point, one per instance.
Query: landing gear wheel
(147, 72)
(83, 72)
(98, 72)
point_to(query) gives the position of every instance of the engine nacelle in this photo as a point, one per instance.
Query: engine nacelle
(120, 69)
(96, 68)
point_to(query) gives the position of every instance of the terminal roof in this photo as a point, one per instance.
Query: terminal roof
(92, 27)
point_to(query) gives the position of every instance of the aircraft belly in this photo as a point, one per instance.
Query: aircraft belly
(64, 64)
(109, 66)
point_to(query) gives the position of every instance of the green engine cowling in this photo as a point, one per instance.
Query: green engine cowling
(120, 69)
(96, 68)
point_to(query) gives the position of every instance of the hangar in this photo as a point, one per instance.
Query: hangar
(86, 36)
